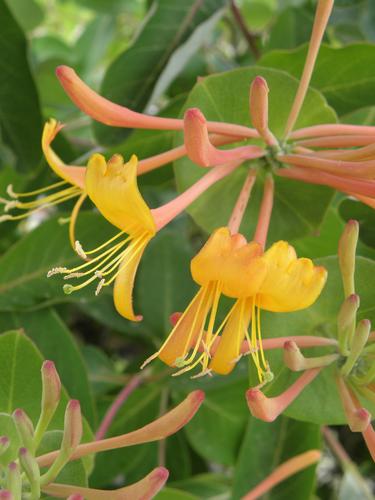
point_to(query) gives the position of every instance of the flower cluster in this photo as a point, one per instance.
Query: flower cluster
(26, 473)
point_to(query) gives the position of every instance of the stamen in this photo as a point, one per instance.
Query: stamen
(13, 194)
(73, 218)
(57, 270)
(99, 287)
(79, 250)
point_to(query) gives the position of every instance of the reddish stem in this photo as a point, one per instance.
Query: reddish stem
(261, 231)
(117, 404)
(241, 203)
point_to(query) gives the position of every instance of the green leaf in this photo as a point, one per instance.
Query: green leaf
(224, 97)
(352, 209)
(267, 445)
(20, 117)
(9, 430)
(27, 13)
(344, 75)
(164, 282)
(206, 486)
(56, 343)
(131, 78)
(174, 494)
(216, 430)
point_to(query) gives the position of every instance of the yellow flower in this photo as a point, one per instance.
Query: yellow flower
(112, 187)
(275, 280)
(71, 185)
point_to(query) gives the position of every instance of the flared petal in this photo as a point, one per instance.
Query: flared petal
(73, 174)
(124, 282)
(187, 330)
(144, 489)
(291, 283)
(112, 186)
(229, 348)
(237, 265)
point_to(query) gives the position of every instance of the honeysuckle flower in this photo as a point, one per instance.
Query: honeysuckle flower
(70, 186)
(112, 187)
(274, 280)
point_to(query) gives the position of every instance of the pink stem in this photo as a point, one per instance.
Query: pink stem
(264, 218)
(241, 203)
(116, 405)
(337, 167)
(164, 214)
(322, 14)
(156, 161)
(283, 471)
(369, 437)
(366, 188)
(332, 129)
(338, 141)
(336, 446)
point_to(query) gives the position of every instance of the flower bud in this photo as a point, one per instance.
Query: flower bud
(25, 427)
(346, 253)
(51, 387)
(360, 338)
(6, 495)
(296, 361)
(30, 466)
(346, 322)
(259, 109)
(72, 427)
(14, 481)
(4, 444)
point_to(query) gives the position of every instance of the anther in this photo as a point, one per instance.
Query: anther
(78, 248)
(10, 191)
(5, 217)
(11, 204)
(73, 275)
(56, 270)
(99, 287)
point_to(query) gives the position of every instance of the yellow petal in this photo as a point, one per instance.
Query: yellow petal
(124, 283)
(187, 330)
(70, 173)
(291, 283)
(113, 188)
(237, 265)
(229, 348)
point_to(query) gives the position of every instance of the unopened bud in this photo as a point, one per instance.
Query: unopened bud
(259, 108)
(358, 343)
(360, 420)
(72, 427)
(346, 253)
(6, 495)
(30, 466)
(14, 481)
(296, 361)
(25, 428)
(346, 322)
(51, 388)
(4, 444)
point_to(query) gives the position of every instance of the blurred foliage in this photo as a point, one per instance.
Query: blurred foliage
(222, 452)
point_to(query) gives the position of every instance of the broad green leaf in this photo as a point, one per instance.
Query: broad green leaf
(56, 342)
(28, 13)
(216, 431)
(20, 118)
(9, 430)
(175, 494)
(344, 75)
(131, 77)
(20, 380)
(207, 485)
(224, 97)
(352, 209)
(164, 282)
(23, 269)
(267, 445)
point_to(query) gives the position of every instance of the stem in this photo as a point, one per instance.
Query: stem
(322, 14)
(250, 38)
(117, 404)
(333, 129)
(241, 203)
(265, 212)
(164, 214)
(283, 471)
(346, 185)
(162, 444)
(336, 446)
